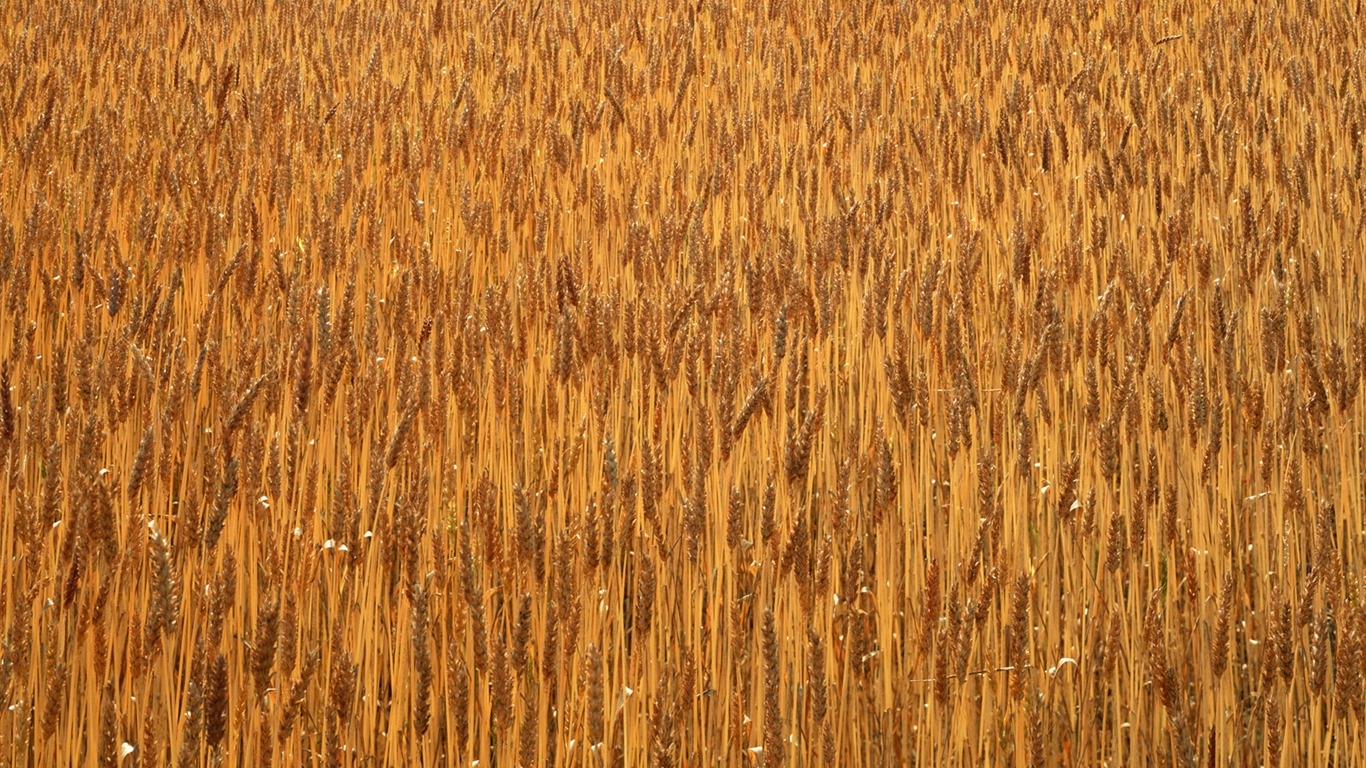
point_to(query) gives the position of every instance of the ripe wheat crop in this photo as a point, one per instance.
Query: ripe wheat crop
(636, 383)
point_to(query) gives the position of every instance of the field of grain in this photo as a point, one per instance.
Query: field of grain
(625, 383)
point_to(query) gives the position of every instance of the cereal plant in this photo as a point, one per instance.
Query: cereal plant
(632, 383)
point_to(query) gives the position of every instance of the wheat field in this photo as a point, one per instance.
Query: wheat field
(631, 383)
